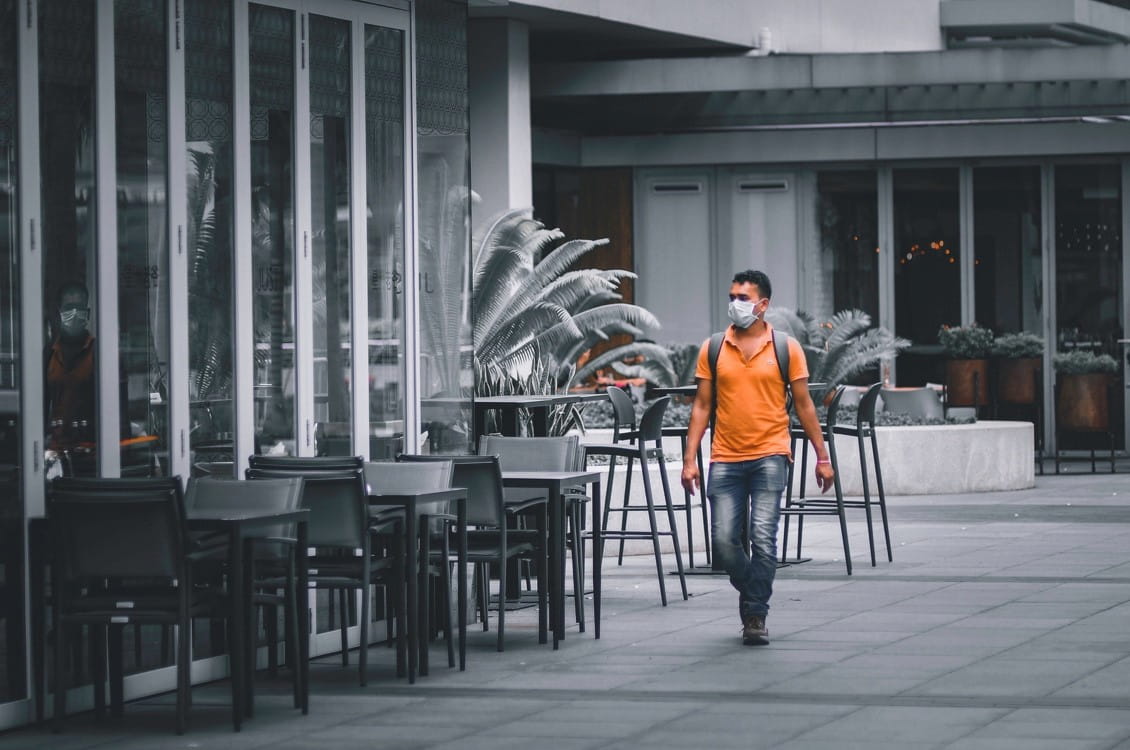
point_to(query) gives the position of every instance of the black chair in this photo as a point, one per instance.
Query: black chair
(863, 431)
(648, 446)
(549, 454)
(275, 551)
(433, 527)
(804, 506)
(120, 557)
(489, 509)
(343, 535)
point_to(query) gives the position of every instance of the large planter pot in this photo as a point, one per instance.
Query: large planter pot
(960, 376)
(1083, 403)
(1018, 380)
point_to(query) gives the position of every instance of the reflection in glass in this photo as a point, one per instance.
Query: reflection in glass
(1006, 219)
(847, 216)
(446, 375)
(1088, 261)
(272, 217)
(384, 155)
(143, 282)
(927, 267)
(12, 683)
(66, 132)
(329, 245)
(208, 129)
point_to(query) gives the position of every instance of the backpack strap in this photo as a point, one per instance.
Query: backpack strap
(781, 349)
(712, 356)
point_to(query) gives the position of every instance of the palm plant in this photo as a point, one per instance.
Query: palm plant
(533, 313)
(840, 348)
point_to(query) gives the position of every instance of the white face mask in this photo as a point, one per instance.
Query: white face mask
(74, 321)
(741, 312)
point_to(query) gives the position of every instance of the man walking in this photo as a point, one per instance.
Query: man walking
(750, 445)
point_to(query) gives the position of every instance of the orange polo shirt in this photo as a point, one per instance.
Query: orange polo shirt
(751, 422)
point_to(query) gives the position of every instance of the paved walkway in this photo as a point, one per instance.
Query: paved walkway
(1003, 622)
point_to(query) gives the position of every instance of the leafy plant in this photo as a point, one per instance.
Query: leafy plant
(1021, 345)
(839, 348)
(966, 342)
(533, 314)
(1080, 362)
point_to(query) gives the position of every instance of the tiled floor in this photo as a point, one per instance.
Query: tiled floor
(1003, 622)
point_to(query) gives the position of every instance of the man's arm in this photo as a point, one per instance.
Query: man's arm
(806, 412)
(700, 416)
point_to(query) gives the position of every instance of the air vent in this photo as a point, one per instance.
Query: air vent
(763, 186)
(669, 188)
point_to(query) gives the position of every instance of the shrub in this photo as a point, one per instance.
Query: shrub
(1084, 363)
(966, 342)
(1018, 345)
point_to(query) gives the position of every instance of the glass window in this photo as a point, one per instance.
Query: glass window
(272, 217)
(12, 682)
(208, 132)
(847, 217)
(330, 201)
(446, 374)
(66, 132)
(140, 80)
(927, 272)
(1088, 262)
(384, 154)
(1006, 230)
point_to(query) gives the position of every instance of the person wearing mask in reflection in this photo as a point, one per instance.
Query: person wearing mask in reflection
(69, 373)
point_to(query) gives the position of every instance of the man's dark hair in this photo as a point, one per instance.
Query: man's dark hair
(72, 287)
(755, 277)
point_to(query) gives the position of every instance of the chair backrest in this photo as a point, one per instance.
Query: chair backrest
(306, 463)
(865, 416)
(216, 493)
(109, 532)
(531, 453)
(112, 485)
(833, 412)
(481, 476)
(435, 475)
(651, 422)
(337, 501)
(623, 410)
(917, 402)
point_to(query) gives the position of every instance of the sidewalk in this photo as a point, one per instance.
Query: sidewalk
(1003, 622)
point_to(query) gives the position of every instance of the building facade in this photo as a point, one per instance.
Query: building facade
(226, 227)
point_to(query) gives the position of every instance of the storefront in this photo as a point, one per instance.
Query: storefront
(226, 227)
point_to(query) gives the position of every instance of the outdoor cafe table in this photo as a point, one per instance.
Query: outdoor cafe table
(240, 526)
(415, 502)
(538, 406)
(676, 390)
(554, 483)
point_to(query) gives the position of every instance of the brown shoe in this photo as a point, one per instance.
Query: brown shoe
(754, 632)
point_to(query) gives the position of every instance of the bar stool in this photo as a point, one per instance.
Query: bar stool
(805, 506)
(648, 445)
(864, 429)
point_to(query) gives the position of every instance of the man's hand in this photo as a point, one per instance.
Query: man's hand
(824, 476)
(691, 478)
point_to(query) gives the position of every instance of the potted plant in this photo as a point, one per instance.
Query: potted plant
(967, 366)
(1083, 386)
(1019, 358)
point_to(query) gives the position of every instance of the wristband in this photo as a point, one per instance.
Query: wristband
(825, 461)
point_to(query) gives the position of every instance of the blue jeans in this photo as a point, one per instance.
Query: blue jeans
(745, 503)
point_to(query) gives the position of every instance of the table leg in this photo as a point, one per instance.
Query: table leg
(557, 570)
(250, 644)
(461, 505)
(302, 601)
(410, 573)
(539, 416)
(597, 555)
(237, 629)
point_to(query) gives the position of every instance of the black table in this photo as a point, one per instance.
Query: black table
(538, 406)
(554, 483)
(675, 390)
(415, 502)
(240, 526)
